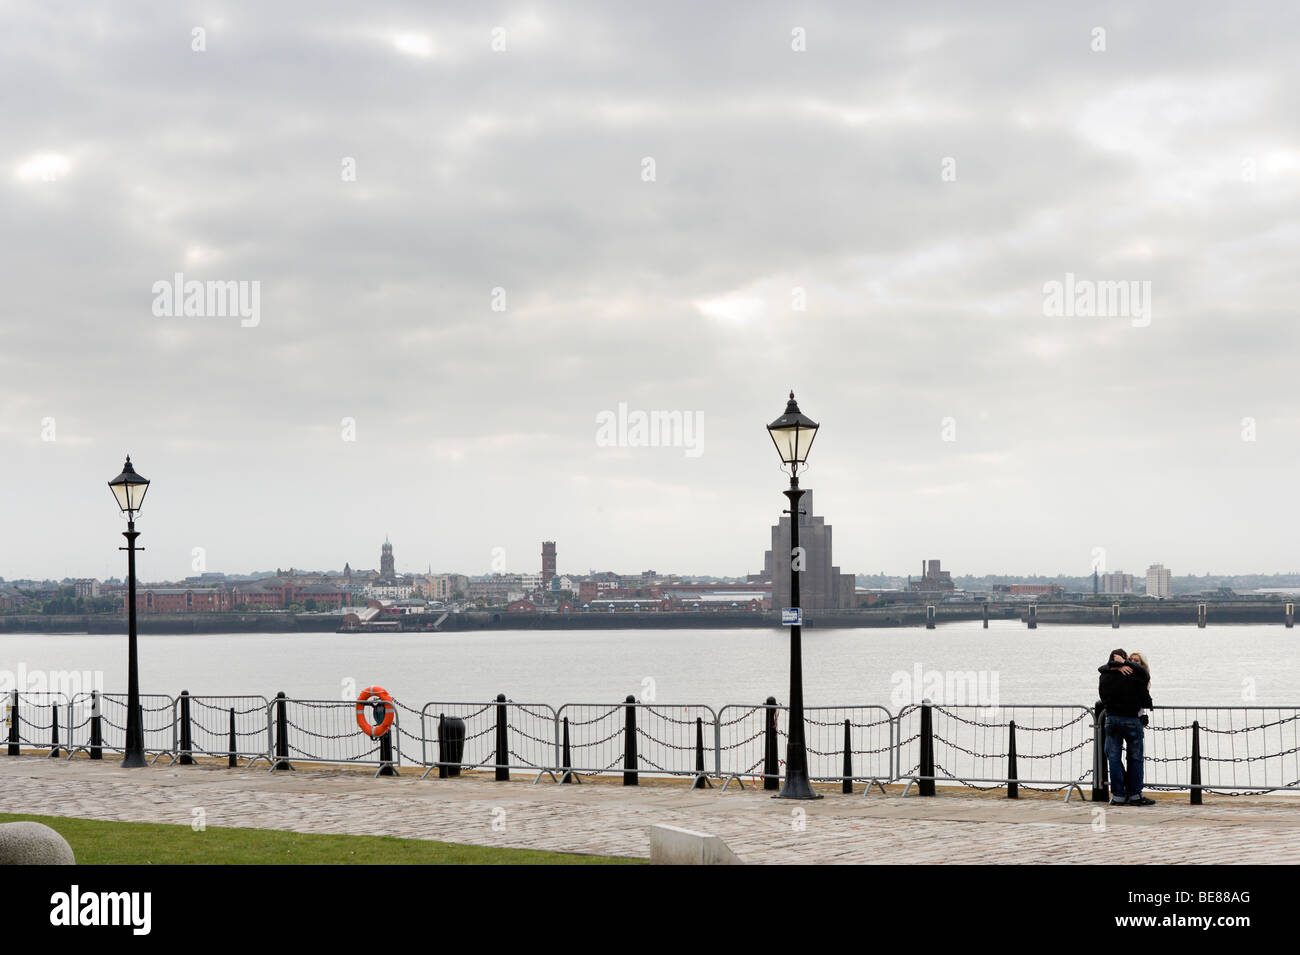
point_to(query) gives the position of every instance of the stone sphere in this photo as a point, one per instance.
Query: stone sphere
(30, 843)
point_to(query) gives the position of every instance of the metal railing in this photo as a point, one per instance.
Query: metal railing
(1045, 747)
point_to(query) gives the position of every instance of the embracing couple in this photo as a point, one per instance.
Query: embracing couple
(1125, 691)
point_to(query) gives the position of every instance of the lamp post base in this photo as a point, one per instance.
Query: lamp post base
(134, 761)
(797, 787)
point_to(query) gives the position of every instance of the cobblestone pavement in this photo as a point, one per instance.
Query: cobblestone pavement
(614, 820)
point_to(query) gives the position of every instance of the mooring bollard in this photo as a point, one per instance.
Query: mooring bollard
(1290, 616)
(1114, 616)
(386, 767)
(55, 752)
(925, 786)
(232, 760)
(451, 745)
(1196, 763)
(1200, 616)
(187, 740)
(986, 615)
(629, 743)
(847, 785)
(929, 617)
(1100, 786)
(568, 776)
(502, 755)
(1013, 785)
(771, 763)
(701, 780)
(1033, 616)
(14, 748)
(282, 732)
(96, 727)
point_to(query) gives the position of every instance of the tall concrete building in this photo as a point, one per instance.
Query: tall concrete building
(548, 561)
(821, 586)
(1158, 581)
(1117, 582)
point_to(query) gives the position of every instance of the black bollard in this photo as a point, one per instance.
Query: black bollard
(14, 748)
(1196, 763)
(629, 743)
(929, 617)
(568, 776)
(701, 778)
(55, 752)
(442, 746)
(1100, 784)
(925, 787)
(187, 739)
(282, 732)
(847, 786)
(232, 760)
(386, 767)
(502, 757)
(1114, 616)
(771, 764)
(96, 727)
(1013, 786)
(451, 745)
(986, 615)
(1033, 616)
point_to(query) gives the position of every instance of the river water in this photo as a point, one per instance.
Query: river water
(1224, 665)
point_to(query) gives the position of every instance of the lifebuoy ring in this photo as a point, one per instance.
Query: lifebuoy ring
(390, 711)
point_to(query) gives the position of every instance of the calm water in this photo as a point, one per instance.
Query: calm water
(1051, 665)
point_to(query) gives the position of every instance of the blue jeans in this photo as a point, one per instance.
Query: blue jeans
(1122, 731)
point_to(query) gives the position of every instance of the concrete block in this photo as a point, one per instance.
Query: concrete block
(670, 845)
(30, 843)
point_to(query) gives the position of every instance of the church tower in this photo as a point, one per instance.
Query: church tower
(386, 561)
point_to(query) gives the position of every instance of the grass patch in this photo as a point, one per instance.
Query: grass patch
(97, 842)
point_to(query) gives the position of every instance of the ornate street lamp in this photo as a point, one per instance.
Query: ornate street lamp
(129, 488)
(793, 435)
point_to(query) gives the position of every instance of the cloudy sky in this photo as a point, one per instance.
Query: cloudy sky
(465, 254)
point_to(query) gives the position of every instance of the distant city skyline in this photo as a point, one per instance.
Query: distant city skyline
(1037, 284)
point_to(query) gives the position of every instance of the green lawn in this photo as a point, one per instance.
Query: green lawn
(146, 843)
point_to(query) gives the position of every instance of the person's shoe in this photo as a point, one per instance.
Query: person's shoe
(1141, 801)
(1117, 801)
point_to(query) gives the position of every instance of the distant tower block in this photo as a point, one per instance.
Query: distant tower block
(1033, 616)
(548, 561)
(1114, 616)
(1200, 616)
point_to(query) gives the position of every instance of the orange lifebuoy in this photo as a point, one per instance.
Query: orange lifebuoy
(390, 711)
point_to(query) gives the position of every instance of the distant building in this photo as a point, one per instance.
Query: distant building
(821, 585)
(86, 587)
(548, 562)
(1158, 581)
(1037, 590)
(1117, 583)
(386, 565)
(933, 579)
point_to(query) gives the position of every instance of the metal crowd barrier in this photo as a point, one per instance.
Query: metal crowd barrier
(1229, 750)
(1038, 746)
(32, 722)
(156, 717)
(500, 735)
(636, 738)
(215, 720)
(326, 731)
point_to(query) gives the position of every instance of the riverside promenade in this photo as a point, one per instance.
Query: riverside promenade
(605, 818)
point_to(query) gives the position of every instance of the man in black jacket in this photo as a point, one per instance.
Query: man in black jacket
(1122, 687)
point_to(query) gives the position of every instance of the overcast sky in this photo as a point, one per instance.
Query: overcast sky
(921, 172)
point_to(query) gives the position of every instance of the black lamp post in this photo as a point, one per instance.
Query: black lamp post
(129, 488)
(793, 435)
